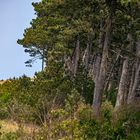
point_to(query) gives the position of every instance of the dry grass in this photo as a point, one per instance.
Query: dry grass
(8, 126)
(12, 126)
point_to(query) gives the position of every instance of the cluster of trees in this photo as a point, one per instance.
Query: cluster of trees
(90, 51)
(98, 38)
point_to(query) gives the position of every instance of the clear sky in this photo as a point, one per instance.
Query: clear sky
(15, 16)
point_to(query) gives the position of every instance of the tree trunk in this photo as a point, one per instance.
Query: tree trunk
(99, 84)
(76, 58)
(135, 77)
(72, 63)
(132, 79)
(87, 53)
(97, 61)
(109, 82)
(43, 59)
(132, 95)
(123, 84)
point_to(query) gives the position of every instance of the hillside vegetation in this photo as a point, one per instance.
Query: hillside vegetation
(89, 86)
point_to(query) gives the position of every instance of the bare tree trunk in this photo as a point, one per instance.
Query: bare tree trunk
(132, 79)
(109, 83)
(99, 85)
(123, 84)
(43, 59)
(135, 80)
(75, 58)
(132, 95)
(86, 56)
(96, 67)
(97, 62)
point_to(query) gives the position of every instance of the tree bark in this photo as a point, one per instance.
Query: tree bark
(132, 94)
(97, 61)
(135, 77)
(72, 63)
(109, 83)
(99, 84)
(123, 84)
(132, 79)
(76, 57)
(87, 53)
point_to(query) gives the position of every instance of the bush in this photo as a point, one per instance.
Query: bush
(127, 122)
(9, 136)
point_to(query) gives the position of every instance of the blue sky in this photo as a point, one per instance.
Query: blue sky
(15, 16)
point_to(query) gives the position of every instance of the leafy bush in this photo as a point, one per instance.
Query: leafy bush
(9, 136)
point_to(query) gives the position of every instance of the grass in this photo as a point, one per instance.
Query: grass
(7, 126)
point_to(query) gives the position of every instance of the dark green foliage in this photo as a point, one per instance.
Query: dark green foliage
(57, 101)
(9, 136)
(128, 122)
(111, 95)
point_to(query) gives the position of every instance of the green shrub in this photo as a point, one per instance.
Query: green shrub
(9, 136)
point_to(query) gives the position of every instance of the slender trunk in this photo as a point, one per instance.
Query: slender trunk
(135, 80)
(86, 55)
(44, 57)
(97, 62)
(132, 94)
(109, 83)
(123, 84)
(96, 67)
(49, 128)
(132, 79)
(43, 61)
(99, 85)
(75, 58)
